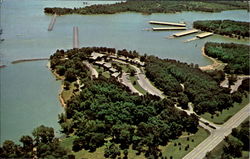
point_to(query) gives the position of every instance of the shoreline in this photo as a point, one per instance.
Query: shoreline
(63, 103)
(215, 65)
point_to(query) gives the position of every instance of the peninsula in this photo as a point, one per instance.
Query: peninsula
(148, 7)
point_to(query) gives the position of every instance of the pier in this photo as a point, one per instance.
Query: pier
(199, 36)
(168, 23)
(29, 60)
(169, 28)
(75, 37)
(203, 35)
(187, 32)
(52, 23)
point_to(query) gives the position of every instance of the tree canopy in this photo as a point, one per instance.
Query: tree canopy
(235, 55)
(105, 109)
(224, 27)
(200, 88)
(43, 145)
(149, 7)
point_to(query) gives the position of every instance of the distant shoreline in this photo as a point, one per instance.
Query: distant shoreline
(148, 7)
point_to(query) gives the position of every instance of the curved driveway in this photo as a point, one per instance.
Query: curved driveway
(125, 80)
(93, 71)
(146, 84)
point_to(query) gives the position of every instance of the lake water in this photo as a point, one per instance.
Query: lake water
(29, 92)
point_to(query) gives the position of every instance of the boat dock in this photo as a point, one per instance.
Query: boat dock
(199, 36)
(52, 23)
(168, 23)
(203, 35)
(169, 28)
(75, 37)
(187, 32)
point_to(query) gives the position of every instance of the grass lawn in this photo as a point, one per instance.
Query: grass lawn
(137, 86)
(98, 154)
(66, 94)
(100, 70)
(125, 68)
(176, 152)
(226, 114)
(169, 150)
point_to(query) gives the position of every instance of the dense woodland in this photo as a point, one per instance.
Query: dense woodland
(149, 7)
(224, 27)
(236, 56)
(106, 113)
(200, 88)
(43, 144)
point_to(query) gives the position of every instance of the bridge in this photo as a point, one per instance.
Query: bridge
(52, 23)
(75, 37)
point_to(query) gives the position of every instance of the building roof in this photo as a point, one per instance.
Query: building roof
(115, 74)
(95, 55)
(107, 65)
(113, 70)
(99, 62)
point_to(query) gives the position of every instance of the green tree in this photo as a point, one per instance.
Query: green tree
(111, 151)
(43, 134)
(27, 145)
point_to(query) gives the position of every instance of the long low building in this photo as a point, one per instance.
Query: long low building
(167, 23)
(169, 28)
(187, 32)
(203, 35)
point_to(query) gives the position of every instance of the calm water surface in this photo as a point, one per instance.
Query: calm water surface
(29, 91)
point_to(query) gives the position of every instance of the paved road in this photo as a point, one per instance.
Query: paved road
(146, 84)
(218, 135)
(202, 120)
(93, 71)
(236, 84)
(125, 80)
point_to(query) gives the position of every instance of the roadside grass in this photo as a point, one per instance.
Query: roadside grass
(125, 67)
(106, 74)
(218, 150)
(67, 94)
(133, 80)
(226, 114)
(101, 71)
(178, 151)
